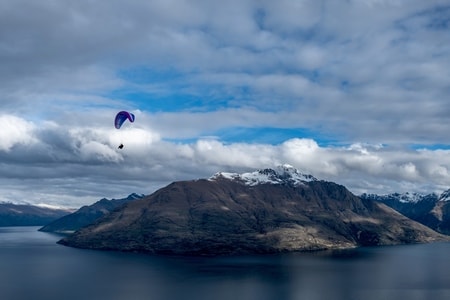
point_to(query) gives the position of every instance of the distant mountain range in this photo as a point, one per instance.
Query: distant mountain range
(431, 210)
(28, 215)
(267, 211)
(87, 215)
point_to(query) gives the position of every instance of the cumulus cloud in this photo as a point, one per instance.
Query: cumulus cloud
(85, 162)
(15, 131)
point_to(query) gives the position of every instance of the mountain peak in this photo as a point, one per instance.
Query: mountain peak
(408, 197)
(445, 196)
(283, 174)
(224, 216)
(134, 196)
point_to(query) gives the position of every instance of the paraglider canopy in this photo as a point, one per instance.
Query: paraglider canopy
(121, 117)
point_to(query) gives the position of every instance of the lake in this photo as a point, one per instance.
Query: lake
(33, 266)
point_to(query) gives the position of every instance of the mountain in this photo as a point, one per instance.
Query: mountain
(431, 210)
(28, 215)
(87, 215)
(268, 211)
(413, 205)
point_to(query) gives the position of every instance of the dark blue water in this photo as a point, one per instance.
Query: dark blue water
(33, 266)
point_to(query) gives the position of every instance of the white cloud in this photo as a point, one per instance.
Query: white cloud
(15, 131)
(98, 151)
(76, 156)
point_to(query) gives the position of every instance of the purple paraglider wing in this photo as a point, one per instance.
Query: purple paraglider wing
(121, 117)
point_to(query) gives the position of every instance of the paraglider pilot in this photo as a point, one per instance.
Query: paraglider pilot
(120, 146)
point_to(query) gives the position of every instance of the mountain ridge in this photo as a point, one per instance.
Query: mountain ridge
(224, 215)
(283, 174)
(28, 215)
(432, 210)
(87, 214)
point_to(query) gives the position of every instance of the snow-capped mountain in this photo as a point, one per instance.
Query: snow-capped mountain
(402, 197)
(432, 210)
(409, 197)
(445, 196)
(284, 174)
(252, 213)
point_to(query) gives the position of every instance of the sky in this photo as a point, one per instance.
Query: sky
(356, 92)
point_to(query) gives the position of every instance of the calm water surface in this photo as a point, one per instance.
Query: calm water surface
(33, 266)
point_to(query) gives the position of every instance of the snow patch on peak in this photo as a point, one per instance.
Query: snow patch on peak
(134, 196)
(410, 197)
(445, 196)
(284, 174)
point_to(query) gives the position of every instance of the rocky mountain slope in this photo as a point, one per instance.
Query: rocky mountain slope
(432, 210)
(28, 215)
(271, 210)
(87, 215)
